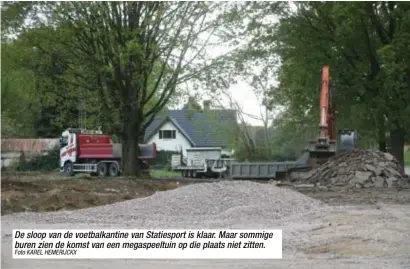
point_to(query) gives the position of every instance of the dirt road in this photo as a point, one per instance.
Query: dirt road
(360, 229)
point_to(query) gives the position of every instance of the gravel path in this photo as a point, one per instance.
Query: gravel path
(315, 235)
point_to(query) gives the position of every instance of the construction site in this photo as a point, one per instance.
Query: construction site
(330, 166)
(352, 211)
(336, 204)
(332, 223)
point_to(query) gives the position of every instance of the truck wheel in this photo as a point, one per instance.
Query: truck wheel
(69, 169)
(113, 170)
(102, 169)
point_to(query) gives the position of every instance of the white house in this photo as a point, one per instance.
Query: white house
(169, 138)
(187, 128)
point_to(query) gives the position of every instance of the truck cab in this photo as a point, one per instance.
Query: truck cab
(68, 144)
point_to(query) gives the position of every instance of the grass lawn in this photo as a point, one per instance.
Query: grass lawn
(407, 158)
(164, 174)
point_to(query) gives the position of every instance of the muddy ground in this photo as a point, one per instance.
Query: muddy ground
(39, 192)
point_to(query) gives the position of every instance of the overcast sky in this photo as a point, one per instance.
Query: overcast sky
(241, 93)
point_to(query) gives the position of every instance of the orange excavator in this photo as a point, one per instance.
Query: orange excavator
(327, 144)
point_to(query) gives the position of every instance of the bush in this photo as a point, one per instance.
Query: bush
(163, 160)
(44, 163)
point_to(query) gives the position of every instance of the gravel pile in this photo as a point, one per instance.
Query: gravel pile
(207, 205)
(359, 169)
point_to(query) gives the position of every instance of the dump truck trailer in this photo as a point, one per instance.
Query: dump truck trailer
(266, 170)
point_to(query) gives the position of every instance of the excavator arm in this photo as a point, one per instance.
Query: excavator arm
(325, 145)
(326, 127)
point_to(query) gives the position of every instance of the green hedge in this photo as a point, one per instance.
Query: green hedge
(44, 163)
(163, 160)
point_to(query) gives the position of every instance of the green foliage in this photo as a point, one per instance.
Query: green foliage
(164, 174)
(163, 160)
(407, 158)
(17, 91)
(364, 45)
(44, 163)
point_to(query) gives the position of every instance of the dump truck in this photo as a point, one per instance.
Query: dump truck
(91, 151)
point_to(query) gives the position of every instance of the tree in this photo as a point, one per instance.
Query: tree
(17, 91)
(138, 52)
(126, 58)
(360, 41)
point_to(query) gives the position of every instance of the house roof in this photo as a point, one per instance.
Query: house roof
(202, 128)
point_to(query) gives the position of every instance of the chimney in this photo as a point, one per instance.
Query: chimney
(206, 104)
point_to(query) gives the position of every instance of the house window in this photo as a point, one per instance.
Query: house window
(167, 134)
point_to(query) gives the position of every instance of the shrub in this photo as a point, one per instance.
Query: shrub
(45, 163)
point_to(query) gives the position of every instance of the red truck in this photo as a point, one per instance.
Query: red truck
(88, 151)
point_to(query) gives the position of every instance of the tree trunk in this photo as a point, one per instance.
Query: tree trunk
(381, 133)
(397, 145)
(382, 140)
(130, 148)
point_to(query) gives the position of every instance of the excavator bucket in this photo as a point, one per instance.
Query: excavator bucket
(320, 151)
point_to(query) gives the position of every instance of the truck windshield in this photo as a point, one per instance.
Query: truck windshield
(63, 141)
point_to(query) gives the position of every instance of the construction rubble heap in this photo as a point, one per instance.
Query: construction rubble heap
(359, 169)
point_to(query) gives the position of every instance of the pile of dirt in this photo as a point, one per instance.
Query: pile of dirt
(360, 169)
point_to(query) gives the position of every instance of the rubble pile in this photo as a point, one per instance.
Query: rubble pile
(359, 169)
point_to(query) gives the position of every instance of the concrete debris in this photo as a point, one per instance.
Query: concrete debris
(305, 186)
(359, 169)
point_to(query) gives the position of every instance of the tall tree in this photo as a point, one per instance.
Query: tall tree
(139, 52)
(361, 43)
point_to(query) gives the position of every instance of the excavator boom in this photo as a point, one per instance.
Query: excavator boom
(326, 144)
